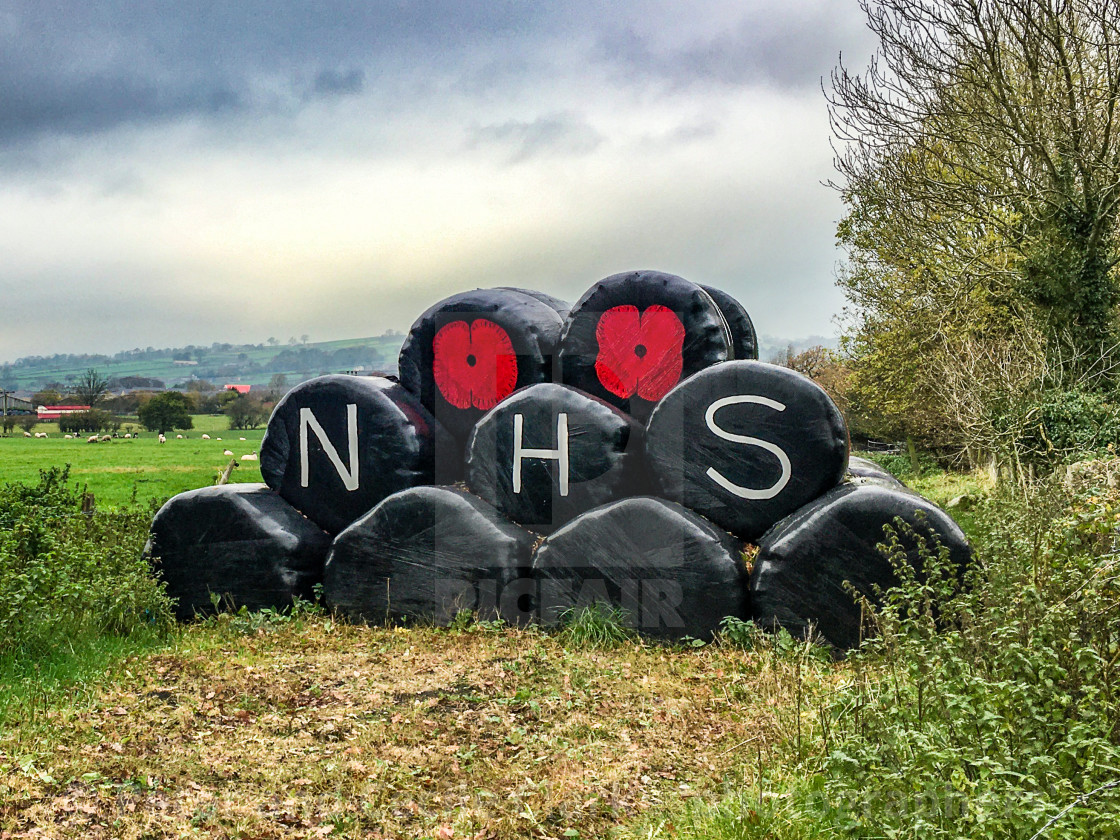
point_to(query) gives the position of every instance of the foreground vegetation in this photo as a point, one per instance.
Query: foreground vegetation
(979, 711)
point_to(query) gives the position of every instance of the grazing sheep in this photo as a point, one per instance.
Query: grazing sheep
(162, 439)
(127, 436)
(227, 452)
(241, 438)
(92, 439)
(27, 434)
(251, 457)
(178, 437)
(217, 438)
(69, 437)
(106, 438)
(206, 437)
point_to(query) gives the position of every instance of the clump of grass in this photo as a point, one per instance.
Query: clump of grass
(596, 626)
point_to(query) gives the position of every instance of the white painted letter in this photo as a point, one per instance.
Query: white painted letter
(349, 477)
(559, 454)
(773, 449)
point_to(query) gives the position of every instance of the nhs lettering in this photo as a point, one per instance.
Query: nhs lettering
(337, 445)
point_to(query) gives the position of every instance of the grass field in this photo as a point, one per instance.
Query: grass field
(312, 728)
(114, 470)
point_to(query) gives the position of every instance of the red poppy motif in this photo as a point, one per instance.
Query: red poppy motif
(474, 363)
(639, 353)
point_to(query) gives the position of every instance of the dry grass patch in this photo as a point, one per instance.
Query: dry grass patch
(315, 728)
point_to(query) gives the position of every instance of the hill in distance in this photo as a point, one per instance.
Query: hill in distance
(219, 364)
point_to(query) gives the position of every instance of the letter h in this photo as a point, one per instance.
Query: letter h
(559, 454)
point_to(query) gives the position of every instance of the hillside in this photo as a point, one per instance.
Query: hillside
(253, 364)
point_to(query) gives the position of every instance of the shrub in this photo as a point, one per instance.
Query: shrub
(984, 708)
(65, 575)
(94, 420)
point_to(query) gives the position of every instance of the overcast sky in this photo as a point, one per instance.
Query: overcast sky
(191, 172)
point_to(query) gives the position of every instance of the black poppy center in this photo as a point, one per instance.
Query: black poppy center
(640, 351)
(471, 360)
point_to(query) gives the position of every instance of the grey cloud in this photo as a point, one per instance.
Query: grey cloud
(785, 49)
(555, 134)
(338, 82)
(81, 106)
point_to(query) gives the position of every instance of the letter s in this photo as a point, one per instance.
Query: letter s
(773, 449)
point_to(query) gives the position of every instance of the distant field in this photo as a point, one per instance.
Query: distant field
(113, 470)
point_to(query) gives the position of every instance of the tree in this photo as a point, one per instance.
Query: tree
(166, 411)
(245, 413)
(91, 388)
(278, 384)
(27, 422)
(981, 172)
(47, 396)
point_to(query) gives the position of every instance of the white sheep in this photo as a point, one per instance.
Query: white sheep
(206, 437)
(162, 439)
(241, 438)
(127, 436)
(69, 437)
(178, 437)
(250, 457)
(106, 438)
(27, 434)
(92, 439)
(227, 452)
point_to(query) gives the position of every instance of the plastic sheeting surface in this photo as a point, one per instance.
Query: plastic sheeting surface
(472, 350)
(868, 470)
(746, 443)
(672, 572)
(337, 445)
(560, 307)
(423, 555)
(799, 573)
(549, 453)
(744, 340)
(633, 336)
(240, 541)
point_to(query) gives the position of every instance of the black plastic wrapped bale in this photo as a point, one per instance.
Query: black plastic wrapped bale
(866, 470)
(803, 561)
(335, 446)
(560, 307)
(240, 542)
(549, 453)
(744, 340)
(425, 554)
(469, 352)
(633, 336)
(746, 443)
(670, 571)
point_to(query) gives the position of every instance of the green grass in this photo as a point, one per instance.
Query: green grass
(114, 470)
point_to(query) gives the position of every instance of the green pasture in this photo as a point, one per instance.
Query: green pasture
(116, 469)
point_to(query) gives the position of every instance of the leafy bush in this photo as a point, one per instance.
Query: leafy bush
(985, 707)
(65, 575)
(94, 420)
(1072, 425)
